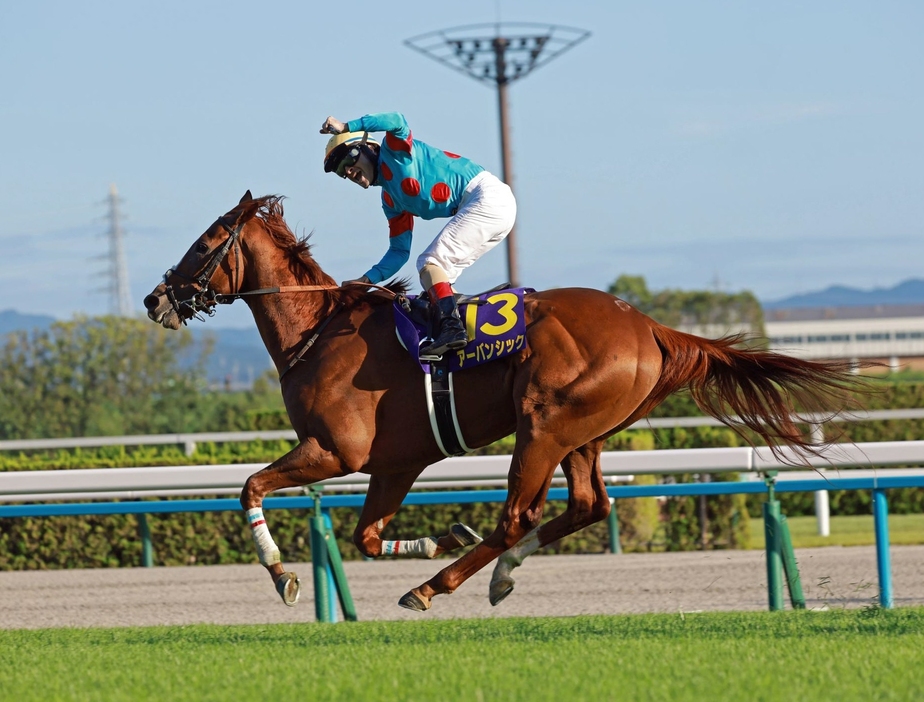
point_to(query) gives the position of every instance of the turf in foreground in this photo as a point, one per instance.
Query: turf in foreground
(837, 655)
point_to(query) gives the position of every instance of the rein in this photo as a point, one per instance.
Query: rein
(223, 299)
(204, 298)
(231, 297)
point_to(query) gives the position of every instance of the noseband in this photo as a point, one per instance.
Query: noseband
(204, 298)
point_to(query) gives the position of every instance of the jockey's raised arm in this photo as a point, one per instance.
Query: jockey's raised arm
(419, 180)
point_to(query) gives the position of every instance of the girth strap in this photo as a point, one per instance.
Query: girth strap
(441, 408)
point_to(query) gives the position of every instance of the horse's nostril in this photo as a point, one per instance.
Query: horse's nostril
(151, 302)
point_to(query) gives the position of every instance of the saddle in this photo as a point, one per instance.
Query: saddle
(425, 317)
(496, 328)
(493, 319)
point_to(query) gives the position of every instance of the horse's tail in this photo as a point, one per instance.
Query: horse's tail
(754, 389)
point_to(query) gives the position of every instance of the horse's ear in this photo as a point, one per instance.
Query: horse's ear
(247, 197)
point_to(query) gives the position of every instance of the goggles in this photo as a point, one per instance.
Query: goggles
(349, 159)
(351, 156)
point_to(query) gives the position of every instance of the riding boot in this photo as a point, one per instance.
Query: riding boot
(451, 335)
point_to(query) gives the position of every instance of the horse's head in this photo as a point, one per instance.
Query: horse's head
(209, 271)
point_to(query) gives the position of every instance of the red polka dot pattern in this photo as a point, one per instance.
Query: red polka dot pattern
(396, 144)
(386, 198)
(411, 187)
(440, 192)
(401, 223)
(386, 171)
(451, 155)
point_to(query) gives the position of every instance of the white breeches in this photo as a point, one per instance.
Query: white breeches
(486, 215)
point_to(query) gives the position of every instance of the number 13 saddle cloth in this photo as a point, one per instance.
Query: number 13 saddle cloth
(493, 320)
(496, 328)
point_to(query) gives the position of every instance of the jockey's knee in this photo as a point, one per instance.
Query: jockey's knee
(431, 274)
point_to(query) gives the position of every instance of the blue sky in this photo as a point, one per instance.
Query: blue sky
(775, 147)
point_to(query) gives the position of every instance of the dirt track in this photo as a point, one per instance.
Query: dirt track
(546, 585)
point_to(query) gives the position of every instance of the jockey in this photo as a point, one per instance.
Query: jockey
(419, 180)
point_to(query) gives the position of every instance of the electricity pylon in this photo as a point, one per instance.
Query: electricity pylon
(120, 300)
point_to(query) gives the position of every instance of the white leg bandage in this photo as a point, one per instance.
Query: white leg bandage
(418, 548)
(267, 550)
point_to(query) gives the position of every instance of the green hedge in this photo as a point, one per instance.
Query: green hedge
(223, 537)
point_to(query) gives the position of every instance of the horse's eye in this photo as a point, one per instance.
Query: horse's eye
(202, 248)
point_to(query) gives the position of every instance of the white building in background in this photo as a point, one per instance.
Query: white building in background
(892, 334)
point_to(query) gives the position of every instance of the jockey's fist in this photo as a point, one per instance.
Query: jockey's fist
(332, 125)
(361, 280)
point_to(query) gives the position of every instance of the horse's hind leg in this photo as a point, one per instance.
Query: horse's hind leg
(588, 504)
(531, 473)
(305, 464)
(383, 499)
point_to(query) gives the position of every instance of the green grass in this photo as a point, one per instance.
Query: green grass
(838, 655)
(845, 531)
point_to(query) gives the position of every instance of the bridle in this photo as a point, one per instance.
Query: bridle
(203, 298)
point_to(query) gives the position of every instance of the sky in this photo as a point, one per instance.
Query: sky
(771, 147)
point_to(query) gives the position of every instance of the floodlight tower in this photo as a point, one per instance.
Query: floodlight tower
(511, 51)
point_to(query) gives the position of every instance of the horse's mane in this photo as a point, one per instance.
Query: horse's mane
(268, 209)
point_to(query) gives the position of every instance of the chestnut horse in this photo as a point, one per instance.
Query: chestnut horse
(592, 366)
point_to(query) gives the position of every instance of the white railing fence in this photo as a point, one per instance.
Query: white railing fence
(189, 441)
(857, 460)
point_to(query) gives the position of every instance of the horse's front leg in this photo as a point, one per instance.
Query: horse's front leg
(383, 499)
(305, 464)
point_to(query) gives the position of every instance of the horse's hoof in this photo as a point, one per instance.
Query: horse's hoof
(499, 590)
(413, 601)
(289, 586)
(464, 536)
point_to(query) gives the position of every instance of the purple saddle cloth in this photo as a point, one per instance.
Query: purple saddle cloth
(494, 321)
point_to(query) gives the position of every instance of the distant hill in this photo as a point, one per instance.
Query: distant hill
(238, 358)
(11, 320)
(909, 292)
